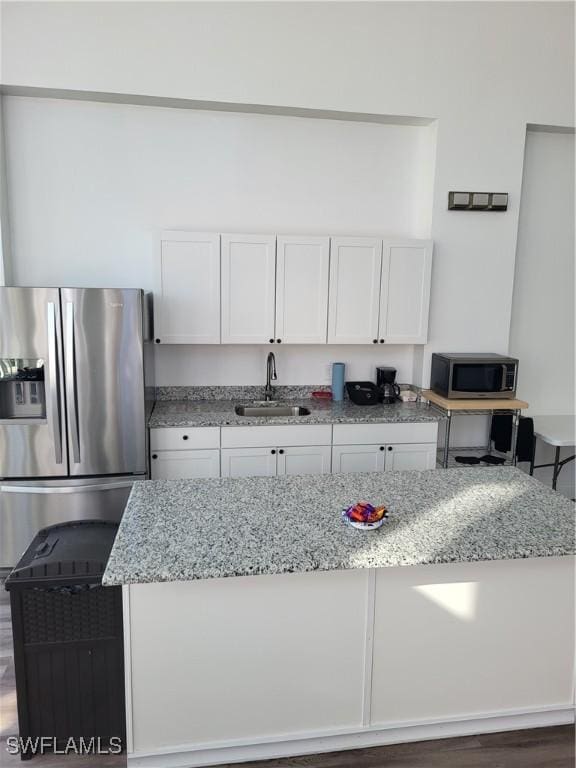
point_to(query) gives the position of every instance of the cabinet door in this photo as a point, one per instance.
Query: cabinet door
(411, 456)
(248, 288)
(355, 267)
(184, 465)
(248, 462)
(187, 296)
(247, 660)
(358, 458)
(494, 641)
(305, 460)
(405, 291)
(302, 289)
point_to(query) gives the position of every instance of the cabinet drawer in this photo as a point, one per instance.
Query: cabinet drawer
(184, 438)
(365, 434)
(248, 437)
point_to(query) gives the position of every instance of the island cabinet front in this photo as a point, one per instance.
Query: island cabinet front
(249, 667)
(469, 640)
(253, 657)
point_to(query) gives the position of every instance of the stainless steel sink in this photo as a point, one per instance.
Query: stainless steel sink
(271, 411)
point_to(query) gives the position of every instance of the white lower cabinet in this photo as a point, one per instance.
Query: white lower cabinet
(184, 465)
(305, 460)
(380, 458)
(267, 462)
(358, 458)
(311, 449)
(248, 462)
(411, 456)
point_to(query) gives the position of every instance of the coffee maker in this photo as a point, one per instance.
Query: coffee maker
(385, 381)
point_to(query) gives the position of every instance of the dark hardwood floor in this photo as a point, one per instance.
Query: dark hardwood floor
(537, 748)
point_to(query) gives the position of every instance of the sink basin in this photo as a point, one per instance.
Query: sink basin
(271, 411)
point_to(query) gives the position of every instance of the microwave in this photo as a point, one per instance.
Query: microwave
(463, 375)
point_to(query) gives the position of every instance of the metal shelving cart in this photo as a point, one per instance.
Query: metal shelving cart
(488, 407)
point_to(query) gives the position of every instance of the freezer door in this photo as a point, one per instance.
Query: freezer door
(32, 432)
(26, 507)
(104, 372)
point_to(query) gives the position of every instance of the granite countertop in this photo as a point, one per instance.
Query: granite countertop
(220, 413)
(183, 530)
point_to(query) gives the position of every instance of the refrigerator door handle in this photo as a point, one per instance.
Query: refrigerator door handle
(65, 488)
(54, 383)
(71, 393)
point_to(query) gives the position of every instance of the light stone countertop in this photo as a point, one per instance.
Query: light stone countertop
(183, 530)
(220, 413)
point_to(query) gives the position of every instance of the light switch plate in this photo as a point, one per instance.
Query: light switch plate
(498, 201)
(477, 201)
(458, 200)
(480, 200)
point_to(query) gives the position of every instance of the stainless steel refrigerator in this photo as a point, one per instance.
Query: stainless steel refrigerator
(75, 391)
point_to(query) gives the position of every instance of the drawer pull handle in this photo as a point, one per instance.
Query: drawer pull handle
(154, 455)
(272, 451)
(389, 447)
(381, 447)
(184, 437)
(281, 450)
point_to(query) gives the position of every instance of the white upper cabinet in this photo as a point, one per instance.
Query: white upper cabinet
(379, 291)
(355, 268)
(248, 288)
(263, 289)
(405, 291)
(187, 295)
(302, 289)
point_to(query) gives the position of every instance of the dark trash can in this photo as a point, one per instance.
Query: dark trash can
(68, 642)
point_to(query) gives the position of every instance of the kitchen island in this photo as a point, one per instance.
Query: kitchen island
(257, 624)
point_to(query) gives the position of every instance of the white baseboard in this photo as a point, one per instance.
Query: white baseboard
(193, 756)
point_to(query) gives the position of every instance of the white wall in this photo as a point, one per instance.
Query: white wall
(422, 58)
(484, 70)
(92, 184)
(542, 332)
(298, 364)
(4, 217)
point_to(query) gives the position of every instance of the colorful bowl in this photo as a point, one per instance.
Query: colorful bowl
(363, 526)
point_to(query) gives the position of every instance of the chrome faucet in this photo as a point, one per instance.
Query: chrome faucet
(270, 376)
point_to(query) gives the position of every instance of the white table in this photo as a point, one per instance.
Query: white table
(559, 431)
